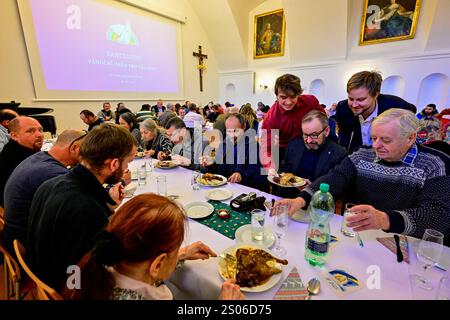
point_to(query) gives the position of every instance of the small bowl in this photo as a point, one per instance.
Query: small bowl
(223, 213)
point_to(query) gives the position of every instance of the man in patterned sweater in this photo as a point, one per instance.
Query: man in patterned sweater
(401, 187)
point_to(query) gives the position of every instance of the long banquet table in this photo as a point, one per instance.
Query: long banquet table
(201, 279)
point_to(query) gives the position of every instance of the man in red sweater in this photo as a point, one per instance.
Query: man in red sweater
(283, 121)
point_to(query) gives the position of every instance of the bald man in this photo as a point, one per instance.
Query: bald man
(6, 115)
(26, 139)
(29, 175)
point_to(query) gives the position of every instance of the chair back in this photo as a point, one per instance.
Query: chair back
(11, 267)
(44, 292)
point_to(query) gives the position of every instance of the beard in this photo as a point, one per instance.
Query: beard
(115, 177)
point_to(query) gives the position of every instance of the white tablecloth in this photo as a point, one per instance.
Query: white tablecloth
(201, 280)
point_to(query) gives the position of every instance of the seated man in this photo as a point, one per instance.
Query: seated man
(312, 155)
(188, 144)
(401, 187)
(106, 113)
(237, 156)
(26, 139)
(90, 119)
(6, 115)
(69, 210)
(192, 118)
(29, 175)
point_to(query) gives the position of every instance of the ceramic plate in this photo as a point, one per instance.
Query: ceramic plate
(219, 194)
(295, 185)
(274, 279)
(213, 183)
(198, 210)
(244, 234)
(166, 165)
(130, 189)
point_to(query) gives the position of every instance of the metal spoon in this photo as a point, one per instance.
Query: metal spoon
(313, 287)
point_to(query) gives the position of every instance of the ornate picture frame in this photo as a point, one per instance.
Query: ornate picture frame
(269, 34)
(388, 20)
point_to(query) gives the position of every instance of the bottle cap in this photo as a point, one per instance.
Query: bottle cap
(324, 187)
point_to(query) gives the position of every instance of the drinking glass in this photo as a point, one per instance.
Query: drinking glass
(428, 254)
(150, 165)
(443, 292)
(161, 184)
(142, 175)
(280, 224)
(258, 224)
(346, 231)
(194, 183)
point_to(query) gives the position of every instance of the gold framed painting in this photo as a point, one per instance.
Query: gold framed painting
(388, 20)
(269, 34)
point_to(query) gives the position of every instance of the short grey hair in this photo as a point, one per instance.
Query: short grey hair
(407, 121)
(150, 125)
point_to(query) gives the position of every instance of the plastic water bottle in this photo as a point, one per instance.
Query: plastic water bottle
(321, 210)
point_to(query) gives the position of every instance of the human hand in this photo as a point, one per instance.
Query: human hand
(196, 250)
(235, 178)
(272, 172)
(308, 182)
(149, 153)
(231, 291)
(293, 205)
(117, 193)
(183, 161)
(161, 156)
(126, 177)
(367, 217)
(206, 161)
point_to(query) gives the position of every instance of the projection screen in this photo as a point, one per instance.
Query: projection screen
(101, 49)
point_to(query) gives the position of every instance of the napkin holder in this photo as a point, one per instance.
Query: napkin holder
(247, 202)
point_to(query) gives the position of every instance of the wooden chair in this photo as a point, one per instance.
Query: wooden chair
(11, 270)
(44, 292)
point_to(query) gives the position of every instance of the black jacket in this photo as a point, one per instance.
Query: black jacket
(11, 156)
(349, 128)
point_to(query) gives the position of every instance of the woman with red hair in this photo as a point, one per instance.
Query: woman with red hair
(138, 250)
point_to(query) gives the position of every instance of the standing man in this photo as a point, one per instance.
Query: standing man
(69, 210)
(354, 116)
(29, 175)
(26, 139)
(89, 118)
(285, 115)
(6, 115)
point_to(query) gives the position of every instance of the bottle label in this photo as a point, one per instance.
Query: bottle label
(319, 247)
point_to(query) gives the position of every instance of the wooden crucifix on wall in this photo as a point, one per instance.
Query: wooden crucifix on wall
(200, 65)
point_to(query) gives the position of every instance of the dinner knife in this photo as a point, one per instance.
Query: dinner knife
(399, 250)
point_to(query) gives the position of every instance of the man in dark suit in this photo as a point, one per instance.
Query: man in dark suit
(355, 115)
(313, 154)
(159, 107)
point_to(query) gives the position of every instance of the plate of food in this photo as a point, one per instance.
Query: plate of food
(254, 267)
(287, 180)
(140, 154)
(198, 210)
(219, 194)
(211, 180)
(166, 165)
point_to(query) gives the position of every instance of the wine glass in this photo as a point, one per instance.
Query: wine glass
(280, 224)
(428, 253)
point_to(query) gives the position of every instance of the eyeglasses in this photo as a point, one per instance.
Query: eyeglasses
(314, 135)
(77, 139)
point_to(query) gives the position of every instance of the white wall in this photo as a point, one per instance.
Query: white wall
(409, 61)
(16, 83)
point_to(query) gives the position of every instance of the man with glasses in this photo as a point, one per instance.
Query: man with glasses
(283, 120)
(29, 175)
(313, 154)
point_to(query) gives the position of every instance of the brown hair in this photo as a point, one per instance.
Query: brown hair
(249, 114)
(106, 141)
(316, 114)
(143, 228)
(371, 80)
(289, 83)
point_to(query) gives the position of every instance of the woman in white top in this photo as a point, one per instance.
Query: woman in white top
(137, 251)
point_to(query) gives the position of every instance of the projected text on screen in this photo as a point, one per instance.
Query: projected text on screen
(85, 45)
